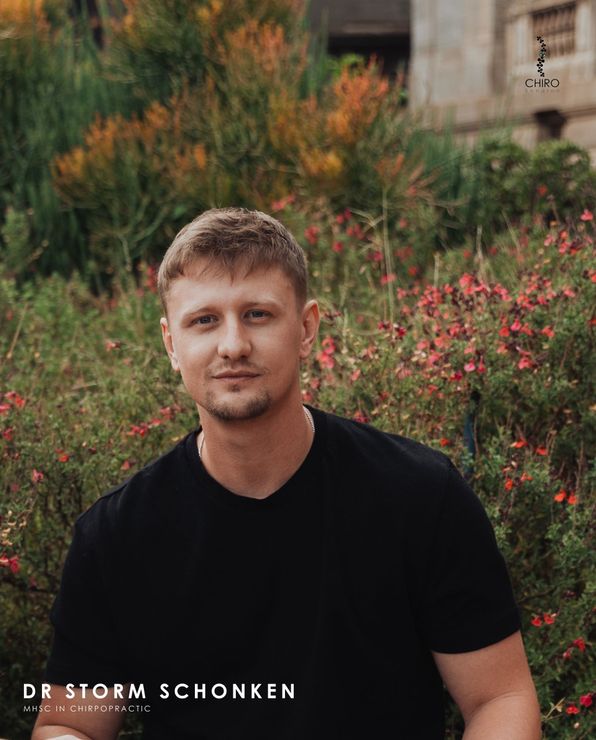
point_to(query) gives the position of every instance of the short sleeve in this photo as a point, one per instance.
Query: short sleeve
(468, 601)
(85, 647)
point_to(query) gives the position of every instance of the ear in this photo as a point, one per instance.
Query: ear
(169, 344)
(310, 327)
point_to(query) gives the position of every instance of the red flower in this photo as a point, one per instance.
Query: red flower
(536, 621)
(312, 234)
(580, 644)
(279, 205)
(519, 443)
(62, 456)
(541, 451)
(328, 345)
(444, 442)
(548, 332)
(516, 326)
(389, 278)
(572, 709)
(525, 362)
(567, 654)
(12, 563)
(469, 367)
(508, 484)
(586, 700)
(337, 247)
(559, 497)
(587, 215)
(550, 618)
(572, 499)
(542, 190)
(355, 375)
(325, 360)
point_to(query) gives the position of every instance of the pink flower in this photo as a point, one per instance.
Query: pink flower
(587, 215)
(36, 476)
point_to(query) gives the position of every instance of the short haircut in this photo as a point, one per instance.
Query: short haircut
(231, 238)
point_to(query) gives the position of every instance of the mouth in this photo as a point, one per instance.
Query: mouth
(234, 376)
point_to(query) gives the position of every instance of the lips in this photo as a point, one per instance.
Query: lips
(235, 376)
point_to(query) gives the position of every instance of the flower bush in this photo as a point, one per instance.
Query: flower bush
(486, 356)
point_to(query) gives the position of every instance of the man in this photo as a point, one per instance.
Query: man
(282, 573)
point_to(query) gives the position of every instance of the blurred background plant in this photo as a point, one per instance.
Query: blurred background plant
(457, 288)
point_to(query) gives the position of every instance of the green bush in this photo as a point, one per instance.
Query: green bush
(52, 85)
(199, 103)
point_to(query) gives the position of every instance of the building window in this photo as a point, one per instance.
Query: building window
(550, 124)
(557, 27)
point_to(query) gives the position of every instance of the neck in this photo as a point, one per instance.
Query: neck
(255, 457)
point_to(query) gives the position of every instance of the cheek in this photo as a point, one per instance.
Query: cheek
(192, 355)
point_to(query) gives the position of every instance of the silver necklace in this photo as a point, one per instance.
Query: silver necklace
(306, 411)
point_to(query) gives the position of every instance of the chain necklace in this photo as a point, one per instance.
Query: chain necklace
(306, 412)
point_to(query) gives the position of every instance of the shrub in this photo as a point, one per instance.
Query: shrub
(489, 358)
(51, 86)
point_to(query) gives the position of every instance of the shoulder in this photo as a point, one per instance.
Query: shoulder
(148, 489)
(355, 444)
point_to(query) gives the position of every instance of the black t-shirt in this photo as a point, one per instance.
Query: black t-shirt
(327, 596)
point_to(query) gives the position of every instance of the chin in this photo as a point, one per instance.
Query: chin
(238, 410)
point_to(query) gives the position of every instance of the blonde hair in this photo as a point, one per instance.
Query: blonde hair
(234, 237)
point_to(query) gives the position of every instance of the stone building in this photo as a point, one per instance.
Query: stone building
(484, 63)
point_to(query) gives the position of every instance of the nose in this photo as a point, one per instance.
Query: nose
(234, 342)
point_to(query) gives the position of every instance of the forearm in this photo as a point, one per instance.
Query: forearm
(57, 732)
(513, 717)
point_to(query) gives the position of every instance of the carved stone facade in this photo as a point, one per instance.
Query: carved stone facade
(482, 63)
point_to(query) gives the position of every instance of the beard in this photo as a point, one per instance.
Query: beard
(240, 411)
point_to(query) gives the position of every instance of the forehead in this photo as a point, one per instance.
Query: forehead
(209, 282)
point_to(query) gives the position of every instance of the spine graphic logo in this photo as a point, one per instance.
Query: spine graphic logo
(541, 56)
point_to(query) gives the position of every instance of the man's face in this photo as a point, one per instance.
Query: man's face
(237, 340)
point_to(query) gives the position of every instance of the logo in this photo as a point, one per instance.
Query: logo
(542, 80)
(541, 56)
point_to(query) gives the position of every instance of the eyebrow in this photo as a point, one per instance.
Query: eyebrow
(209, 308)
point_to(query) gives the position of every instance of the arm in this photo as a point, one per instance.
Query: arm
(88, 725)
(494, 690)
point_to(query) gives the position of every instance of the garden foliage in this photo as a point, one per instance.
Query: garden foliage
(457, 288)
(489, 357)
(106, 152)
